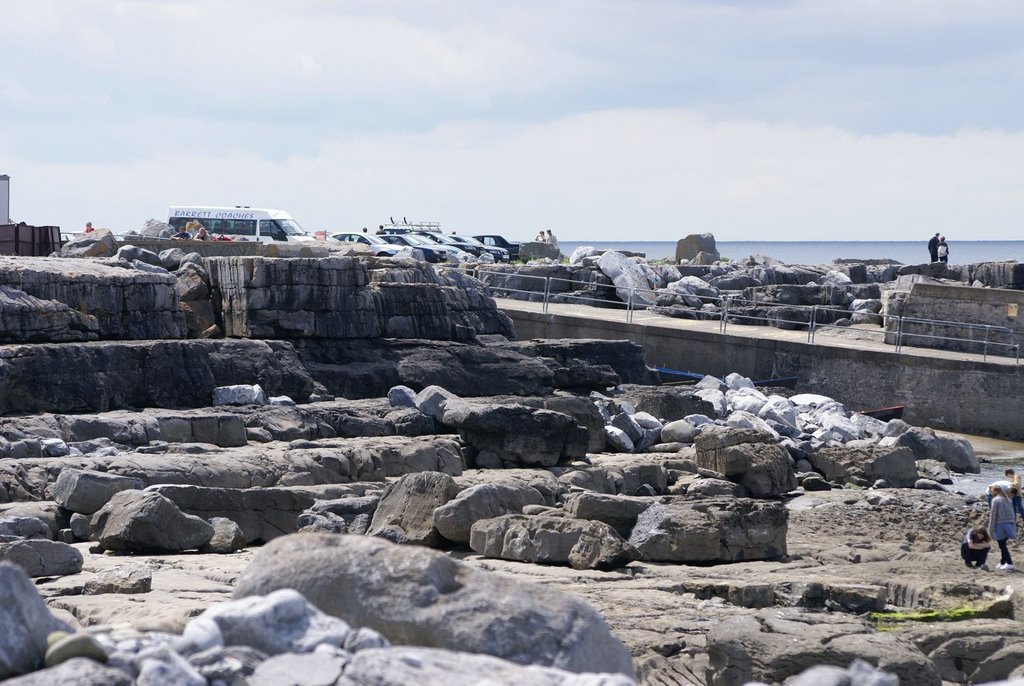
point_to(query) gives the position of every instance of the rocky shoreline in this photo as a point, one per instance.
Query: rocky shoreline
(367, 481)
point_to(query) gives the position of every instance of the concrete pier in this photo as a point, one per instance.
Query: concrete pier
(942, 389)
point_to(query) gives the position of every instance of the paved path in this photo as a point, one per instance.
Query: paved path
(857, 337)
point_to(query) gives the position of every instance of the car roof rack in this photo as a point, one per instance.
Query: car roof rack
(405, 226)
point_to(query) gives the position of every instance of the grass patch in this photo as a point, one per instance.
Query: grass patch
(890, 621)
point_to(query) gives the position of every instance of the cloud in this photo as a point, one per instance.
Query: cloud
(611, 175)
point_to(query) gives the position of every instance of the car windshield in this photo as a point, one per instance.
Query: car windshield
(416, 240)
(376, 240)
(290, 227)
(471, 241)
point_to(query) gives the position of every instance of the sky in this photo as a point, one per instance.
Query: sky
(602, 120)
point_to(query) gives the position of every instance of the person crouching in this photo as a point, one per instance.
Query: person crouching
(975, 547)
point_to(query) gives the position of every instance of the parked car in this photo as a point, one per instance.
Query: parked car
(431, 251)
(500, 242)
(474, 247)
(376, 243)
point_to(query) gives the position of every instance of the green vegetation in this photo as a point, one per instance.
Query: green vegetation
(890, 621)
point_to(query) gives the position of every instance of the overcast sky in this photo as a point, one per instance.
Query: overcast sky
(628, 120)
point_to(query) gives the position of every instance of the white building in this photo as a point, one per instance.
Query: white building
(5, 199)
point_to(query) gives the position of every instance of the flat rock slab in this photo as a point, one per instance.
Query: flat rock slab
(102, 376)
(41, 557)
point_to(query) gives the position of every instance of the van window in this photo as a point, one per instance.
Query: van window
(272, 229)
(237, 227)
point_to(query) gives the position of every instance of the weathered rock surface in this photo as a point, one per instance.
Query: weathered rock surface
(41, 557)
(146, 521)
(79, 671)
(128, 578)
(777, 644)
(86, 491)
(514, 435)
(26, 621)
(711, 531)
(582, 544)
(749, 457)
(619, 512)
(864, 466)
(371, 583)
(455, 519)
(408, 506)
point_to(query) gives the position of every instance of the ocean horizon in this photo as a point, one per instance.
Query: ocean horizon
(824, 252)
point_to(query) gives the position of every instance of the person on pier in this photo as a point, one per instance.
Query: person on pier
(1002, 524)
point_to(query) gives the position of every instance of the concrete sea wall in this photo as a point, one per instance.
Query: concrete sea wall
(959, 395)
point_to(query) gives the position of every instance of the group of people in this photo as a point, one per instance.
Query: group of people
(194, 231)
(938, 250)
(1004, 505)
(546, 237)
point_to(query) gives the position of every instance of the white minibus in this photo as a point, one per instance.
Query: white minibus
(241, 223)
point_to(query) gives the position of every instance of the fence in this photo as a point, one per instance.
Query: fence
(895, 330)
(25, 240)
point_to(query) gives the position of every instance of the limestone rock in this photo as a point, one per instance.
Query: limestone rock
(864, 466)
(86, 491)
(409, 504)
(515, 435)
(582, 544)
(228, 537)
(711, 530)
(401, 396)
(280, 622)
(98, 243)
(73, 646)
(239, 395)
(129, 578)
(145, 521)
(629, 279)
(26, 620)
(431, 401)
(416, 596)
(749, 457)
(78, 671)
(619, 512)
(42, 557)
(455, 519)
(403, 665)
(23, 527)
(323, 667)
(776, 644)
(689, 247)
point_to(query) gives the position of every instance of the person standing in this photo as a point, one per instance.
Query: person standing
(551, 239)
(1002, 523)
(88, 228)
(1015, 491)
(943, 250)
(933, 247)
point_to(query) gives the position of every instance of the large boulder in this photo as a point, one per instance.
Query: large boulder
(618, 511)
(147, 522)
(712, 530)
(630, 280)
(26, 623)
(455, 519)
(78, 671)
(955, 451)
(865, 465)
(582, 544)
(417, 596)
(86, 491)
(42, 557)
(515, 435)
(688, 248)
(98, 243)
(776, 644)
(749, 457)
(406, 507)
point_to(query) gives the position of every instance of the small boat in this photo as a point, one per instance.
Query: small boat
(694, 377)
(885, 413)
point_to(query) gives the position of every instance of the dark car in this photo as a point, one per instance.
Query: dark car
(431, 251)
(471, 244)
(500, 242)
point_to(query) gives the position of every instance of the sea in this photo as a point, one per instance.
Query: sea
(824, 252)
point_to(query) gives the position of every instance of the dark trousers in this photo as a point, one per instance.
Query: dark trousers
(1004, 552)
(973, 557)
(1018, 507)
(934, 254)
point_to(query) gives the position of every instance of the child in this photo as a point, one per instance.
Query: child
(975, 547)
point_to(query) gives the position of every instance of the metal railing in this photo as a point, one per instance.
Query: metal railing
(894, 329)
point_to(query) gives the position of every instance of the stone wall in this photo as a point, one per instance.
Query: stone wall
(997, 312)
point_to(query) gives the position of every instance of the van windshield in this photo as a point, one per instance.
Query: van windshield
(290, 227)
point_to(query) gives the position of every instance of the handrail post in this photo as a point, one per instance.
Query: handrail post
(629, 305)
(984, 350)
(899, 333)
(810, 329)
(547, 294)
(723, 323)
